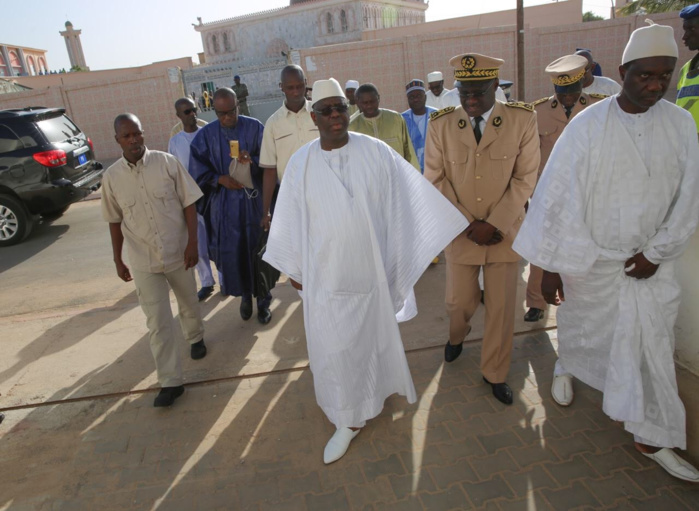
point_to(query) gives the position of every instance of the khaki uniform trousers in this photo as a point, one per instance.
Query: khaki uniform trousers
(154, 297)
(463, 298)
(534, 297)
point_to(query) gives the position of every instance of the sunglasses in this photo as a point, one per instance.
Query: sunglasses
(228, 112)
(328, 110)
(189, 111)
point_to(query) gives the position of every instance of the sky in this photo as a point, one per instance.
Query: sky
(133, 33)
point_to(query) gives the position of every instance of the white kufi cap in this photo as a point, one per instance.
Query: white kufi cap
(651, 41)
(435, 76)
(352, 84)
(326, 89)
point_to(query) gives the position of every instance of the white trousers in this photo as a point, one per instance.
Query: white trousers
(154, 297)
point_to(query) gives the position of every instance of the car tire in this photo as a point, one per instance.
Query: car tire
(15, 221)
(56, 213)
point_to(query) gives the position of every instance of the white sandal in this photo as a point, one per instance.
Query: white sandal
(338, 444)
(674, 465)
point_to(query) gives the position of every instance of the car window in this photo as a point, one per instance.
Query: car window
(58, 129)
(8, 140)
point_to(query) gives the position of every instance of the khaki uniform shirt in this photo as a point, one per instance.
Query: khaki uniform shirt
(551, 119)
(148, 200)
(490, 181)
(285, 132)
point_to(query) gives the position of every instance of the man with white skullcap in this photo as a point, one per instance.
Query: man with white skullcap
(351, 87)
(606, 226)
(436, 94)
(355, 227)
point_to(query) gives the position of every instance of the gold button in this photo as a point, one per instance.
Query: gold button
(479, 199)
(478, 177)
(478, 154)
(505, 157)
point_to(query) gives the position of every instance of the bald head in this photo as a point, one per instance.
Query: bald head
(121, 118)
(225, 93)
(292, 71)
(588, 78)
(293, 85)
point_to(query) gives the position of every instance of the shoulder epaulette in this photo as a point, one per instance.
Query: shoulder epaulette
(597, 96)
(539, 101)
(520, 104)
(440, 113)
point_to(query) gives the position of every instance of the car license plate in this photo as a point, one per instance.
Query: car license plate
(82, 159)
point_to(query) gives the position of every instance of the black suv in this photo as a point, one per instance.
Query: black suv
(46, 164)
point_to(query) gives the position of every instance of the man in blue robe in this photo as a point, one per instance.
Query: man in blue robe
(416, 118)
(232, 207)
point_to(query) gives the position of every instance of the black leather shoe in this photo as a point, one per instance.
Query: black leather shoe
(198, 350)
(534, 314)
(264, 316)
(205, 292)
(167, 396)
(501, 391)
(452, 352)
(246, 309)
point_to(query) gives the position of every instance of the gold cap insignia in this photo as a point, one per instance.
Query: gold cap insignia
(583, 101)
(462, 124)
(554, 103)
(497, 122)
(474, 66)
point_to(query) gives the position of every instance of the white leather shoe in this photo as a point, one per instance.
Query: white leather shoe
(562, 389)
(674, 465)
(338, 444)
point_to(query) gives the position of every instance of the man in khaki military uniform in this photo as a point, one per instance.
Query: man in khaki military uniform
(483, 156)
(552, 115)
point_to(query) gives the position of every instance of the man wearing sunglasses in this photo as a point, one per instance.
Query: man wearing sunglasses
(232, 212)
(179, 145)
(483, 156)
(355, 227)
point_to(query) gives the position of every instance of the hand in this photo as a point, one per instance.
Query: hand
(191, 255)
(266, 222)
(123, 271)
(638, 267)
(296, 285)
(552, 288)
(244, 157)
(497, 238)
(480, 232)
(229, 183)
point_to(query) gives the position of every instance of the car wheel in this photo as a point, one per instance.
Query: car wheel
(56, 213)
(15, 221)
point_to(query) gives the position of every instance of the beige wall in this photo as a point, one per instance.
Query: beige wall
(391, 63)
(150, 94)
(545, 15)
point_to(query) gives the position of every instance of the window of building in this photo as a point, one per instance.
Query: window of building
(214, 43)
(15, 63)
(329, 23)
(4, 71)
(42, 65)
(226, 42)
(31, 66)
(343, 20)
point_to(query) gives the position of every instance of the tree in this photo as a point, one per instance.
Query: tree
(591, 16)
(653, 6)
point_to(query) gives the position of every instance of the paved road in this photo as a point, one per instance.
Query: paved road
(76, 380)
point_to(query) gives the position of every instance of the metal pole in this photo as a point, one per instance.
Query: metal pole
(520, 50)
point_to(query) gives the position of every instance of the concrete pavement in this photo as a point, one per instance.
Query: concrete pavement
(81, 432)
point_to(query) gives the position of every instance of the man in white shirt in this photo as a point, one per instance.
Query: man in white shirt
(356, 226)
(606, 226)
(286, 130)
(597, 84)
(179, 146)
(437, 94)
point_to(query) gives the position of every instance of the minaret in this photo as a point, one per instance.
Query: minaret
(75, 48)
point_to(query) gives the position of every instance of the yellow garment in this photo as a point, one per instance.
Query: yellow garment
(688, 92)
(390, 127)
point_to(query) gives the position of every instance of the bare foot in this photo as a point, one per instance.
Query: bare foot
(648, 449)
